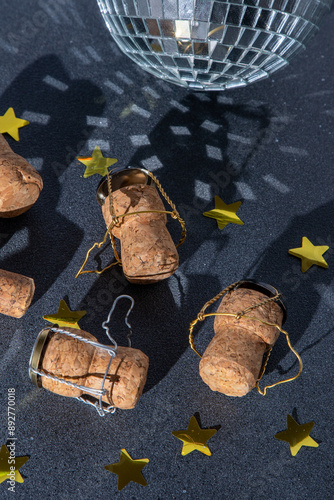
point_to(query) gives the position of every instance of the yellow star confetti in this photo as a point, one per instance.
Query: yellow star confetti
(10, 124)
(195, 438)
(224, 214)
(297, 435)
(128, 469)
(10, 465)
(65, 317)
(97, 163)
(310, 254)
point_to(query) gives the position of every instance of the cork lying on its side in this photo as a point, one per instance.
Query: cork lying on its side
(232, 362)
(126, 379)
(68, 359)
(148, 252)
(83, 364)
(20, 183)
(16, 293)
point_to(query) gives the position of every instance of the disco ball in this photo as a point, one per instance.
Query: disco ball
(210, 44)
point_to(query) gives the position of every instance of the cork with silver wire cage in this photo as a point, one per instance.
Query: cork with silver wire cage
(77, 362)
(71, 362)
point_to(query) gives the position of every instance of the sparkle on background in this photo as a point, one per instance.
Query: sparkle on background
(10, 124)
(310, 254)
(224, 214)
(65, 317)
(195, 438)
(297, 435)
(128, 469)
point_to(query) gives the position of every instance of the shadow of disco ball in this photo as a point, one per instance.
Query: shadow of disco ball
(209, 44)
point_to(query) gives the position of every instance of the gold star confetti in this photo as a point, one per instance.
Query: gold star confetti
(297, 435)
(195, 438)
(65, 317)
(310, 254)
(224, 214)
(97, 163)
(128, 470)
(10, 465)
(10, 124)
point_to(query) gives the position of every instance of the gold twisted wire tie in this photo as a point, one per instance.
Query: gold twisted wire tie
(115, 221)
(202, 315)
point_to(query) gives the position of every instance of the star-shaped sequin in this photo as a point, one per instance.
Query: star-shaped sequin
(310, 254)
(128, 469)
(195, 438)
(223, 213)
(10, 124)
(7, 462)
(297, 435)
(97, 163)
(65, 317)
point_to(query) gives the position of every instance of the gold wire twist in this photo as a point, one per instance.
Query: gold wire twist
(175, 214)
(201, 316)
(115, 221)
(111, 200)
(114, 218)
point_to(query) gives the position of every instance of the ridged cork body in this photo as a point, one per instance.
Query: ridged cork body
(83, 364)
(232, 361)
(20, 183)
(16, 293)
(148, 252)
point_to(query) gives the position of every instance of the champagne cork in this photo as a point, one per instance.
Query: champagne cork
(20, 183)
(148, 252)
(232, 362)
(16, 293)
(75, 361)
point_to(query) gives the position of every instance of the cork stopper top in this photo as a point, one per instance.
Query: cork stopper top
(122, 178)
(266, 289)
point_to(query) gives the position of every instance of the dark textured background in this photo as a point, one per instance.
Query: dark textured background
(270, 145)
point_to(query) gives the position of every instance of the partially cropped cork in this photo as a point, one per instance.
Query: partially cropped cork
(20, 183)
(148, 252)
(232, 362)
(16, 293)
(83, 364)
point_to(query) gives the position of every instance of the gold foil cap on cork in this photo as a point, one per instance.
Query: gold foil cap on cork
(120, 178)
(36, 355)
